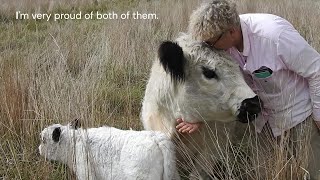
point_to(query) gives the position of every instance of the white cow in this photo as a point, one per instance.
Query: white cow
(190, 80)
(106, 153)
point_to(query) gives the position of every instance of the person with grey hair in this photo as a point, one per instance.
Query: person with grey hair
(277, 63)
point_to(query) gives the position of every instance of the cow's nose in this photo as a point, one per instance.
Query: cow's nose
(249, 109)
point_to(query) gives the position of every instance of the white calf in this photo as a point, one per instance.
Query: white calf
(110, 153)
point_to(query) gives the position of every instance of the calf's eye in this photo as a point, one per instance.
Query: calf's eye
(209, 73)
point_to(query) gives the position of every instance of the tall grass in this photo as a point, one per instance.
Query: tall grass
(95, 70)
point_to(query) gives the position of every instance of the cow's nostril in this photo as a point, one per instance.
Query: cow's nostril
(251, 103)
(249, 109)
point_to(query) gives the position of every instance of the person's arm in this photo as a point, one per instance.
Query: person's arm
(301, 58)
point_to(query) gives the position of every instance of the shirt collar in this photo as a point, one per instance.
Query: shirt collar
(245, 35)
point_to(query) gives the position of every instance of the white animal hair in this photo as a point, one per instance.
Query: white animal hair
(196, 98)
(108, 153)
(191, 95)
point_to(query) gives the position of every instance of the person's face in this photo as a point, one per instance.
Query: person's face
(225, 40)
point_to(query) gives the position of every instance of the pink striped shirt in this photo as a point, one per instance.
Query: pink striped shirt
(292, 92)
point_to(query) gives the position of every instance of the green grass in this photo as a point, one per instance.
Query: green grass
(95, 70)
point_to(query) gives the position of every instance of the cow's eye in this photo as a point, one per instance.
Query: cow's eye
(209, 73)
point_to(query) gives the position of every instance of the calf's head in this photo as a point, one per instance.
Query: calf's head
(56, 141)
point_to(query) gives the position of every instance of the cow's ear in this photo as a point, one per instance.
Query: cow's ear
(172, 59)
(56, 134)
(75, 124)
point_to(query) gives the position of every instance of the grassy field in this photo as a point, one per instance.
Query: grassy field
(95, 70)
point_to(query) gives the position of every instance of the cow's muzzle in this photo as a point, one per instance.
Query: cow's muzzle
(249, 109)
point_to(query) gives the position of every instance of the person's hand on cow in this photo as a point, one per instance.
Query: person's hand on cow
(186, 127)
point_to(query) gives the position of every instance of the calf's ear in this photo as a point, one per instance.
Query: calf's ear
(75, 124)
(172, 59)
(56, 134)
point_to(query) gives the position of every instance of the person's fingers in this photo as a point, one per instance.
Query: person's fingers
(187, 129)
(183, 128)
(180, 125)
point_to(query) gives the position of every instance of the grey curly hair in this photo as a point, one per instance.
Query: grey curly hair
(213, 18)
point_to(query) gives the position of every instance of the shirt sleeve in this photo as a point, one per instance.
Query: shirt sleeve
(304, 60)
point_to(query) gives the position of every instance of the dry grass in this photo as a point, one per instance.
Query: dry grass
(90, 69)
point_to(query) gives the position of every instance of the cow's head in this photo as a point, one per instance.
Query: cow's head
(210, 85)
